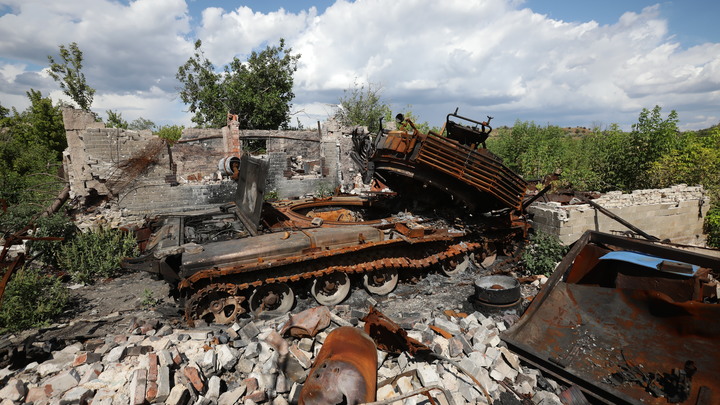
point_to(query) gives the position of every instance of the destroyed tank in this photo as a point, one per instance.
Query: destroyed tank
(450, 198)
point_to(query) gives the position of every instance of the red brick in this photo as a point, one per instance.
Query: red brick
(86, 358)
(153, 369)
(193, 375)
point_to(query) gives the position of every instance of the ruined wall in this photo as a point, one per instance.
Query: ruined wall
(138, 170)
(675, 213)
(146, 177)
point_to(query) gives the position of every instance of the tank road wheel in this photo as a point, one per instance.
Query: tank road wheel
(381, 282)
(219, 307)
(276, 297)
(331, 289)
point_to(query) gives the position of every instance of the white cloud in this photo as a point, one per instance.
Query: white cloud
(491, 57)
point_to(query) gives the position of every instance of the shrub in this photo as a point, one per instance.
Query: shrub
(32, 299)
(170, 133)
(56, 225)
(712, 226)
(96, 254)
(541, 254)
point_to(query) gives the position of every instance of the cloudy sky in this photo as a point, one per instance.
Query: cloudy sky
(560, 62)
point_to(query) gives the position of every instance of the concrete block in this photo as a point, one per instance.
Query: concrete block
(76, 396)
(62, 382)
(213, 390)
(138, 387)
(163, 384)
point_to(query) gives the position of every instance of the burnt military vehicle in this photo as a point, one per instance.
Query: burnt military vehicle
(450, 197)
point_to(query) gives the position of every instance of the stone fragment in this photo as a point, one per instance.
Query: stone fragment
(294, 395)
(226, 357)
(385, 392)
(179, 395)
(72, 349)
(244, 366)
(404, 384)
(511, 358)
(92, 373)
(455, 347)
(138, 350)
(14, 390)
(55, 365)
(546, 398)
(208, 362)
(165, 358)
(447, 325)
(213, 390)
(501, 371)
(305, 344)
(36, 395)
(138, 386)
(427, 374)
(86, 358)
(249, 331)
(164, 330)
(298, 354)
(76, 396)
(232, 397)
(163, 384)
(62, 382)
(257, 396)
(116, 354)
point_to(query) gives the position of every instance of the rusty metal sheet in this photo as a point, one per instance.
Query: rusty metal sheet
(621, 345)
(345, 370)
(307, 323)
(389, 336)
(250, 193)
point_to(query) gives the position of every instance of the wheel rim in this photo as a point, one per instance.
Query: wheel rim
(222, 309)
(331, 289)
(381, 282)
(276, 297)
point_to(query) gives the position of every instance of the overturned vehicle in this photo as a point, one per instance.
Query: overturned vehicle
(451, 198)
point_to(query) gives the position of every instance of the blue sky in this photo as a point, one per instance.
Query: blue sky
(561, 62)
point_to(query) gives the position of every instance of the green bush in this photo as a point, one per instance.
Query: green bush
(56, 225)
(96, 254)
(32, 299)
(170, 133)
(712, 227)
(541, 254)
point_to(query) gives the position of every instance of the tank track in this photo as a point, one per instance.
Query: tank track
(212, 296)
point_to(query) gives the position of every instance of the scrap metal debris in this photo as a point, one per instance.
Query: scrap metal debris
(615, 324)
(345, 370)
(307, 323)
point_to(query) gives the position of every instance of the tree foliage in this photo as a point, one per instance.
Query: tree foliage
(259, 90)
(31, 145)
(68, 73)
(32, 299)
(363, 105)
(140, 124)
(115, 120)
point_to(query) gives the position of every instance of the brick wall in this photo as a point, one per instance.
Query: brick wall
(676, 213)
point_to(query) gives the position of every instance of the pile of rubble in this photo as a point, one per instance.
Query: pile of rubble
(250, 362)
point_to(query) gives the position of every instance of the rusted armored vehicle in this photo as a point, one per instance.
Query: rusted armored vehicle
(450, 198)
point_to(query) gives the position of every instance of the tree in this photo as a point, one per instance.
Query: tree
(362, 105)
(140, 124)
(258, 90)
(115, 120)
(70, 77)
